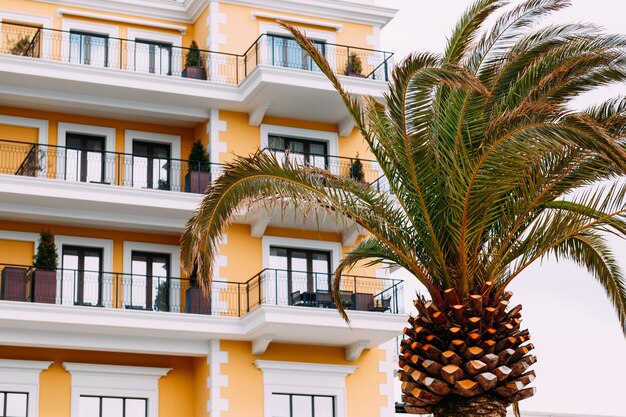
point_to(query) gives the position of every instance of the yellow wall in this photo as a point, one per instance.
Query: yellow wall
(243, 377)
(178, 393)
(16, 252)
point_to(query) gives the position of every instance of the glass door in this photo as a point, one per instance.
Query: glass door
(149, 286)
(151, 165)
(89, 48)
(82, 276)
(284, 51)
(301, 151)
(84, 158)
(304, 271)
(153, 57)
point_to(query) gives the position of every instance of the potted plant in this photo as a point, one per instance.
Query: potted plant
(13, 283)
(194, 67)
(21, 47)
(356, 169)
(195, 301)
(354, 66)
(43, 279)
(199, 175)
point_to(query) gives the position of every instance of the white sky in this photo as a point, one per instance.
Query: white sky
(577, 337)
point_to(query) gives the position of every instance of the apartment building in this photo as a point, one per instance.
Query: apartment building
(102, 103)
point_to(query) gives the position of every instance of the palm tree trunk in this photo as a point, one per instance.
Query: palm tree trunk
(485, 405)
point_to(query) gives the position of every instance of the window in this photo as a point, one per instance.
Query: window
(100, 406)
(149, 286)
(301, 389)
(113, 390)
(153, 57)
(13, 404)
(306, 270)
(82, 275)
(284, 51)
(298, 405)
(84, 158)
(151, 165)
(89, 48)
(302, 151)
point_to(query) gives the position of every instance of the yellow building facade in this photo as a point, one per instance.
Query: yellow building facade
(101, 104)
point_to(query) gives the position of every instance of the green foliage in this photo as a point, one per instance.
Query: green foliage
(198, 158)
(21, 46)
(490, 168)
(161, 302)
(46, 256)
(356, 169)
(193, 55)
(354, 66)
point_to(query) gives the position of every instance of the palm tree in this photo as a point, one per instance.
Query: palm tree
(490, 169)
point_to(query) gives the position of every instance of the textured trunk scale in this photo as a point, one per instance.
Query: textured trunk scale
(485, 405)
(465, 356)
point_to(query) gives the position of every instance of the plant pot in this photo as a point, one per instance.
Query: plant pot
(43, 286)
(198, 73)
(196, 182)
(13, 284)
(196, 303)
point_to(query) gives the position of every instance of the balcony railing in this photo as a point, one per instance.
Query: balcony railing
(363, 170)
(165, 59)
(102, 167)
(114, 290)
(144, 172)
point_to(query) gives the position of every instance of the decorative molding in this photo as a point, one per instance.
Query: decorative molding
(353, 351)
(115, 380)
(350, 234)
(121, 19)
(21, 236)
(336, 26)
(216, 381)
(23, 376)
(215, 39)
(261, 343)
(40, 124)
(305, 378)
(214, 128)
(257, 228)
(255, 118)
(346, 126)
(387, 367)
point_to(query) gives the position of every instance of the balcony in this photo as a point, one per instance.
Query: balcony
(271, 67)
(270, 287)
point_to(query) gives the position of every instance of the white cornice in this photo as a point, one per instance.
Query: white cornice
(312, 22)
(190, 10)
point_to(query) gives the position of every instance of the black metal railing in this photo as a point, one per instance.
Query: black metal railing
(103, 167)
(363, 170)
(172, 294)
(281, 51)
(166, 59)
(313, 289)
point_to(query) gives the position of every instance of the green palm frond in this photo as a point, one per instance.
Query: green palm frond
(490, 166)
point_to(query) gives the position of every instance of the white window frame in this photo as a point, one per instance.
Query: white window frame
(172, 250)
(109, 146)
(175, 40)
(327, 36)
(107, 263)
(95, 28)
(44, 21)
(23, 376)
(173, 140)
(115, 381)
(330, 138)
(306, 379)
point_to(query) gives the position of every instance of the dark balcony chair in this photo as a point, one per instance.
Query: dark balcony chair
(296, 298)
(382, 305)
(324, 299)
(346, 299)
